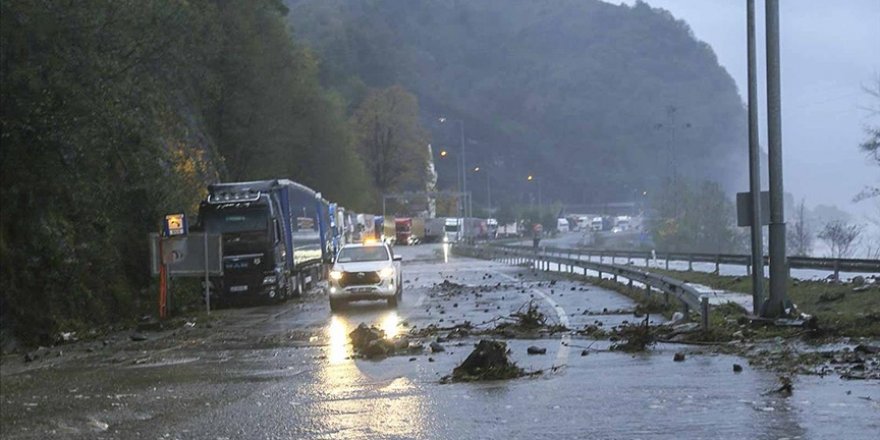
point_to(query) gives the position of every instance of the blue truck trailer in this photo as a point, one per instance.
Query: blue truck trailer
(276, 238)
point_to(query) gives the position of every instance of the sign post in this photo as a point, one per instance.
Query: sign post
(173, 225)
(207, 280)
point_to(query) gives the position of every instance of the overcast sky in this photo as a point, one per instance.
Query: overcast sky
(829, 50)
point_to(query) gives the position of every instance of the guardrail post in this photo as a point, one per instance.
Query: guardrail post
(629, 286)
(647, 260)
(601, 259)
(667, 261)
(704, 312)
(717, 266)
(836, 270)
(685, 310)
(690, 263)
(749, 263)
(665, 298)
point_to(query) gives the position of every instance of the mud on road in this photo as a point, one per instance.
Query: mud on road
(290, 371)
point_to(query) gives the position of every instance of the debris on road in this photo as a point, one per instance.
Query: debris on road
(785, 387)
(536, 350)
(436, 347)
(633, 337)
(488, 361)
(370, 342)
(527, 322)
(737, 368)
(678, 357)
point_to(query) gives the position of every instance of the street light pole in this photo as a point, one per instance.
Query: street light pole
(463, 164)
(465, 205)
(488, 192)
(754, 166)
(775, 306)
(488, 186)
(538, 181)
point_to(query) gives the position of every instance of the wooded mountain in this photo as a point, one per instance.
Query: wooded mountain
(600, 101)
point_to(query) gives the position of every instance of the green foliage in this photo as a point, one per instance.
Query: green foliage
(689, 217)
(116, 112)
(390, 139)
(93, 152)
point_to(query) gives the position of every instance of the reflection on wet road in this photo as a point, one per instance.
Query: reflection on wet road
(288, 371)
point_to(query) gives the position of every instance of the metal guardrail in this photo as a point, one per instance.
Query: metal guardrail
(835, 265)
(689, 297)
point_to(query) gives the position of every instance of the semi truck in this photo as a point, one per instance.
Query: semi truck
(403, 230)
(276, 238)
(434, 229)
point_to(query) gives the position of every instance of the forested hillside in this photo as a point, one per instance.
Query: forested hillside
(578, 92)
(117, 112)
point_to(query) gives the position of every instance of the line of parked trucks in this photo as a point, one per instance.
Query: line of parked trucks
(278, 235)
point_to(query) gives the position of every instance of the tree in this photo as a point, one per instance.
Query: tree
(800, 235)
(692, 217)
(871, 145)
(391, 140)
(840, 237)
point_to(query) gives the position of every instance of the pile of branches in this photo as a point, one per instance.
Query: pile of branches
(633, 338)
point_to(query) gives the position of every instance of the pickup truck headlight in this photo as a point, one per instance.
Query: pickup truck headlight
(386, 272)
(270, 279)
(336, 275)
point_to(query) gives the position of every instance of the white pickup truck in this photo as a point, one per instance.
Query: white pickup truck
(368, 271)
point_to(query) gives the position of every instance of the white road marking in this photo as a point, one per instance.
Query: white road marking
(562, 354)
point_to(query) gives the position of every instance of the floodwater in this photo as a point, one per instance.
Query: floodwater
(287, 371)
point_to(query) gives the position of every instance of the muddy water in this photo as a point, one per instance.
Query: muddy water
(287, 372)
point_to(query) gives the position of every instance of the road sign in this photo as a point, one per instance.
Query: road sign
(744, 208)
(175, 225)
(186, 256)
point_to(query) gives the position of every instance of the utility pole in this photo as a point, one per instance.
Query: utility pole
(775, 306)
(754, 167)
(463, 166)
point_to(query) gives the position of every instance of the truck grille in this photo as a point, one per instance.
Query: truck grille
(359, 278)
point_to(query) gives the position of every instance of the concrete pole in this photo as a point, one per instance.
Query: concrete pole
(463, 163)
(754, 165)
(775, 306)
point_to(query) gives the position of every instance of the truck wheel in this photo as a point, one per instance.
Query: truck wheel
(290, 288)
(336, 305)
(297, 286)
(392, 302)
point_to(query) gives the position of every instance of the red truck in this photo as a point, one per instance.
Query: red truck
(403, 230)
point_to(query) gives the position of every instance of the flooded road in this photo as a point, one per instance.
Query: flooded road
(287, 372)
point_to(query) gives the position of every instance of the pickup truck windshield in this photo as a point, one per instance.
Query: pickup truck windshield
(241, 221)
(365, 253)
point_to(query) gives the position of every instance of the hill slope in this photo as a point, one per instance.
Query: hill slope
(577, 92)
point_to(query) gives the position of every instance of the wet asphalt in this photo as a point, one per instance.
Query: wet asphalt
(287, 372)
